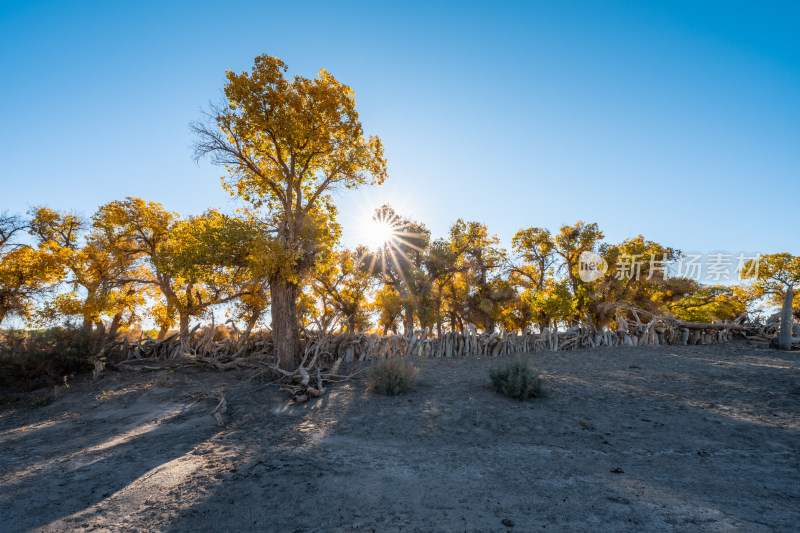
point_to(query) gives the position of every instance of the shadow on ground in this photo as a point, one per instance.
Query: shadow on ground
(630, 439)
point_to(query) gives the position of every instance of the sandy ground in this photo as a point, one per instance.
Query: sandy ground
(690, 438)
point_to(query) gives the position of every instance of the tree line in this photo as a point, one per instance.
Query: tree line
(286, 144)
(133, 260)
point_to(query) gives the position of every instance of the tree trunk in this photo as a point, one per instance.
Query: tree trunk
(184, 325)
(88, 323)
(573, 279)
(408, 319)
(486, 316)
(785, 334)
(183, 314)
(115, 322)
(251, 323)
(285, 326)
(172, 300)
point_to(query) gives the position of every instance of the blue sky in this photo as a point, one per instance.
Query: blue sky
(677, 120)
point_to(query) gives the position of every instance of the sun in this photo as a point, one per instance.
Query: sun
(377, 233)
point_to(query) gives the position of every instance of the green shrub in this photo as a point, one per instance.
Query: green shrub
(42, 358)
(518, 379)
(391, 376)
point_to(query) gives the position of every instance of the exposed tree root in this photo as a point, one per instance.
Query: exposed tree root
(220, 409)
(324, 354)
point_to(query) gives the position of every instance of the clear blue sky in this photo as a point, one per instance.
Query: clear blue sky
(677, 120)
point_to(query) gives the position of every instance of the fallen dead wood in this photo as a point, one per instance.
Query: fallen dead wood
(325, 353)
(309, 379)
(220, 409)
(238, 362)
(335, 349)
(703, 325)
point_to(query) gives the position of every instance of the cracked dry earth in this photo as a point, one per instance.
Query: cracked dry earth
(683, 438)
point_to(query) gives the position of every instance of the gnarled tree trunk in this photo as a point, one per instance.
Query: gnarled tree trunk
(285, 326)
(183, 323)
(785, 334)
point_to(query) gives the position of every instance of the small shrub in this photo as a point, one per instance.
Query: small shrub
(44, 402)
(7, 399)
(391, 376)
(221, 333)
(518, 379)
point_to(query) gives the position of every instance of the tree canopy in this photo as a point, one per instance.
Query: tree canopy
(286, 144)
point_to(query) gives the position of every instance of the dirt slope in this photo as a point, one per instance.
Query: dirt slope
(631, 439)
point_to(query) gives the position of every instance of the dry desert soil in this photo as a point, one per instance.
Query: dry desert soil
(658, 438)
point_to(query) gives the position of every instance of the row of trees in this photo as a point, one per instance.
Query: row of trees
(285, 145)
(469, 277)
(134, 261)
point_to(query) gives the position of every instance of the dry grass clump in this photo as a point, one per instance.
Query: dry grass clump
(518, 379)
(391, 376)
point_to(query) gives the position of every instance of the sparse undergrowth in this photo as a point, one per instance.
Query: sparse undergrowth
(391, 376)
(518, 379)
(7, 399)
(34, 359)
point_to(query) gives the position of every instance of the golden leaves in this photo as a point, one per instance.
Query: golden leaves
(286, 143)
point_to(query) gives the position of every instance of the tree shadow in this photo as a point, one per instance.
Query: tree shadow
(63, 469)
(694, 440)
(674, 447)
